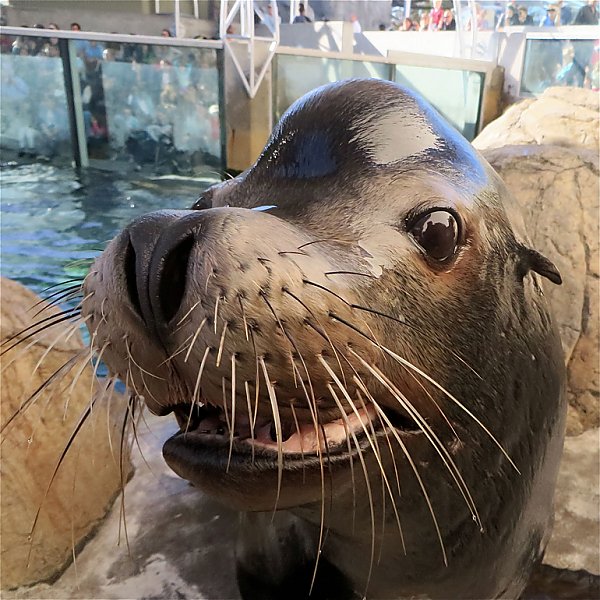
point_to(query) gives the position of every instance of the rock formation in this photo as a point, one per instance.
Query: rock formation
(37, 430)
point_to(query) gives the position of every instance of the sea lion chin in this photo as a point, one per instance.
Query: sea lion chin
(354, 339)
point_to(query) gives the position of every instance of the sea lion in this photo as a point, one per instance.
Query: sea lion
(354, 339)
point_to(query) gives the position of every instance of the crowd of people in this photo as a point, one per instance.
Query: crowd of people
(156, 104)
(550, 62)
(498, 17)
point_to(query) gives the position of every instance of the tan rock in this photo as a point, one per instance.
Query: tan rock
(560, 116)
(558, 190)
(36, 432)
(575, 540)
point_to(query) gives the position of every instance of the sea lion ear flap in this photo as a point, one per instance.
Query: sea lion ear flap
(531, 260)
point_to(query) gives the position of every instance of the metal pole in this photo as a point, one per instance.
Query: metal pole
(177, 19)
(74, 107)
(196, 10)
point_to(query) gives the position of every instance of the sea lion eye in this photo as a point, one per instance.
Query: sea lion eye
(203, 202)
(437, 232)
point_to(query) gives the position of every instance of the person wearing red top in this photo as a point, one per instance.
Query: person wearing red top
(436, 14)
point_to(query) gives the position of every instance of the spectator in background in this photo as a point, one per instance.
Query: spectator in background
(509, 17)
(75, 27)
(302, 18)
(408, 25)
(566, 14)
(268, 18)
(448, 22)
(424, 22)
(552, 18)
(356, 28)
(165, 33)
(436, 15)
(525, 19)
(382, 27)
(588, 14)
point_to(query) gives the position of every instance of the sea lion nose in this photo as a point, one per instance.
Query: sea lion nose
(155, 263)
(171, 275)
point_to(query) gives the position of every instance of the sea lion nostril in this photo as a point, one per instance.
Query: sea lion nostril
(173, 278)
(130, 278)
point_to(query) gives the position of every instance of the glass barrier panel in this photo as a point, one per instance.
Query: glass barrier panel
(556, 62)
(296, 75)
(154, 106)
(34, 121)
(462, 107)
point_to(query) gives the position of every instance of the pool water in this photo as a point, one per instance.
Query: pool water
(52, 221)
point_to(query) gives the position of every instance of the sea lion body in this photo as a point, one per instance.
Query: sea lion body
(375, 336)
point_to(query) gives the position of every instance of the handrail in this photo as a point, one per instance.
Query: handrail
(111, 37)
(394, 58)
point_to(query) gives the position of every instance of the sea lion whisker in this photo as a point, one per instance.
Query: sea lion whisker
(256, 380)
(216, 313)
(67, 281)
(373, 311)
(98, 359)
(278, 430)
(224, 403)
(328, 273)
(82, 419)
(56, 375)
(325, 240)
(352, 477)
(244, 320)
(233, 398)
(369, 438)
(122, 512)
(181, 348)
(138, 445)
(187, 314)
(141, 369)
(63, 299)
(110, 385)
(418, 477)
(195, 397)
(141, 373)
(436, 404)
(431, 437)
(368, 486)
(409, 365)
(211, 274)
(250, 419)
(198, 330)
(43, 325)
(389, 442)
(295, 417)
(295, 347)
(55, 298)
(34, 341)
(323, 332)
(221, 344)
(84, 363)
(325, 289)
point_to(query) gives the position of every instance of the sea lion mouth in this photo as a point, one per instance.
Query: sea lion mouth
(209, 426)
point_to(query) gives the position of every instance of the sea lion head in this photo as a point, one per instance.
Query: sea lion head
(361, 303)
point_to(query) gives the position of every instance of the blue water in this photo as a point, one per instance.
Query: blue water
(52, 222)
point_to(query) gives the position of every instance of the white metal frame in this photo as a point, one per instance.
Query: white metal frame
(241, 46)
